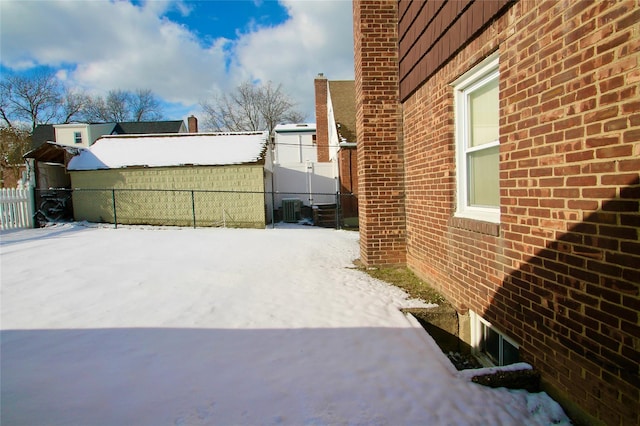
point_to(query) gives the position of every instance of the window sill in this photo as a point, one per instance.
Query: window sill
(475, 225)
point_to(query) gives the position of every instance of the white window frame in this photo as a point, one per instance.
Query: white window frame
(486, 71)
(477, 322)
(76, 136)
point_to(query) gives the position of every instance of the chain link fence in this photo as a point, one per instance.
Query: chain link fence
(196, 208)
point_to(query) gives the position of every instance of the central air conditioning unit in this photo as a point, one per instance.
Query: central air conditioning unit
(291, 210)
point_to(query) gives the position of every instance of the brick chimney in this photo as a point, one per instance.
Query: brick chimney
(379, 126)
(192, 123)
(322, 120)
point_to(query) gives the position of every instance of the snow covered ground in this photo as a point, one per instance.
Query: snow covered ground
(176, 326)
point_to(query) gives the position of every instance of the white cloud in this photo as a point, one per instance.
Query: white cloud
(317, 38)
(115, 45)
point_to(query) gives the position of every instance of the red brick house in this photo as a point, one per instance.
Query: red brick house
(499, 159)
(336, 126)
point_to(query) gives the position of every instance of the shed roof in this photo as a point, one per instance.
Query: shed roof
(51, 152)
(198, 149)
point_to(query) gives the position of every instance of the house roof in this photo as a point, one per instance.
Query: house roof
(295, 128)
(148, 127)
(41, 134)
(343, 99)
(46, 132)
(198, 149)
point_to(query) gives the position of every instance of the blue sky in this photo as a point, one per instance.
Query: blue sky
(216, 18)
(184, 51)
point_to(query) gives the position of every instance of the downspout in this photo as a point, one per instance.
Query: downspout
(273, 200)
(273, 183)
(309, 176)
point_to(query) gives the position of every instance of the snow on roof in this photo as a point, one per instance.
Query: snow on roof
(52, 152)
(296, 127)
(202, 149)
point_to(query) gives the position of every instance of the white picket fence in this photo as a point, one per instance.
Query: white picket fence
(16, 208)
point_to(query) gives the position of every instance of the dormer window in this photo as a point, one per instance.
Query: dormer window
(77, 136)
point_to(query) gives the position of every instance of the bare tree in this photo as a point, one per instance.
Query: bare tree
(40, 98)
(5, 95)
(117, 105)
(277, 107)
(73, 106)
(95, 111)
(236, 111)
(121, 105)
(249, 108)
(14, 143)
(32, 99)
(145, 106)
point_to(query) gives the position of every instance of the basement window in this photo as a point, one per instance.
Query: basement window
(490, 345)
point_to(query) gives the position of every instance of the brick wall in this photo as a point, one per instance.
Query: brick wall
(560, 273)
(378, 127)
(348, 171)
(577, 206)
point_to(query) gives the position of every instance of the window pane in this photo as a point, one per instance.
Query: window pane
(509, 353)
(492, 345)
(483, 111)
(484, 177)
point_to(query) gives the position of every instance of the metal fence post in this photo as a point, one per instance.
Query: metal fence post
(32, 206)
(273, 209)
(115, 214)
(193, 208)
(338, 210)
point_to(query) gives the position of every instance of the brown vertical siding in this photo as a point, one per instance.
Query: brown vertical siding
(431, 32)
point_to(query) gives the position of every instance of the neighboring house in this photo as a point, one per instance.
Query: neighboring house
(81, 135)
(499, 159)
(312, 163)
(41, 134)
(49, 168)
(151, 127)
(295, 143)
(205, 179)
(297, 173)
(335, 106)
(84, 135)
